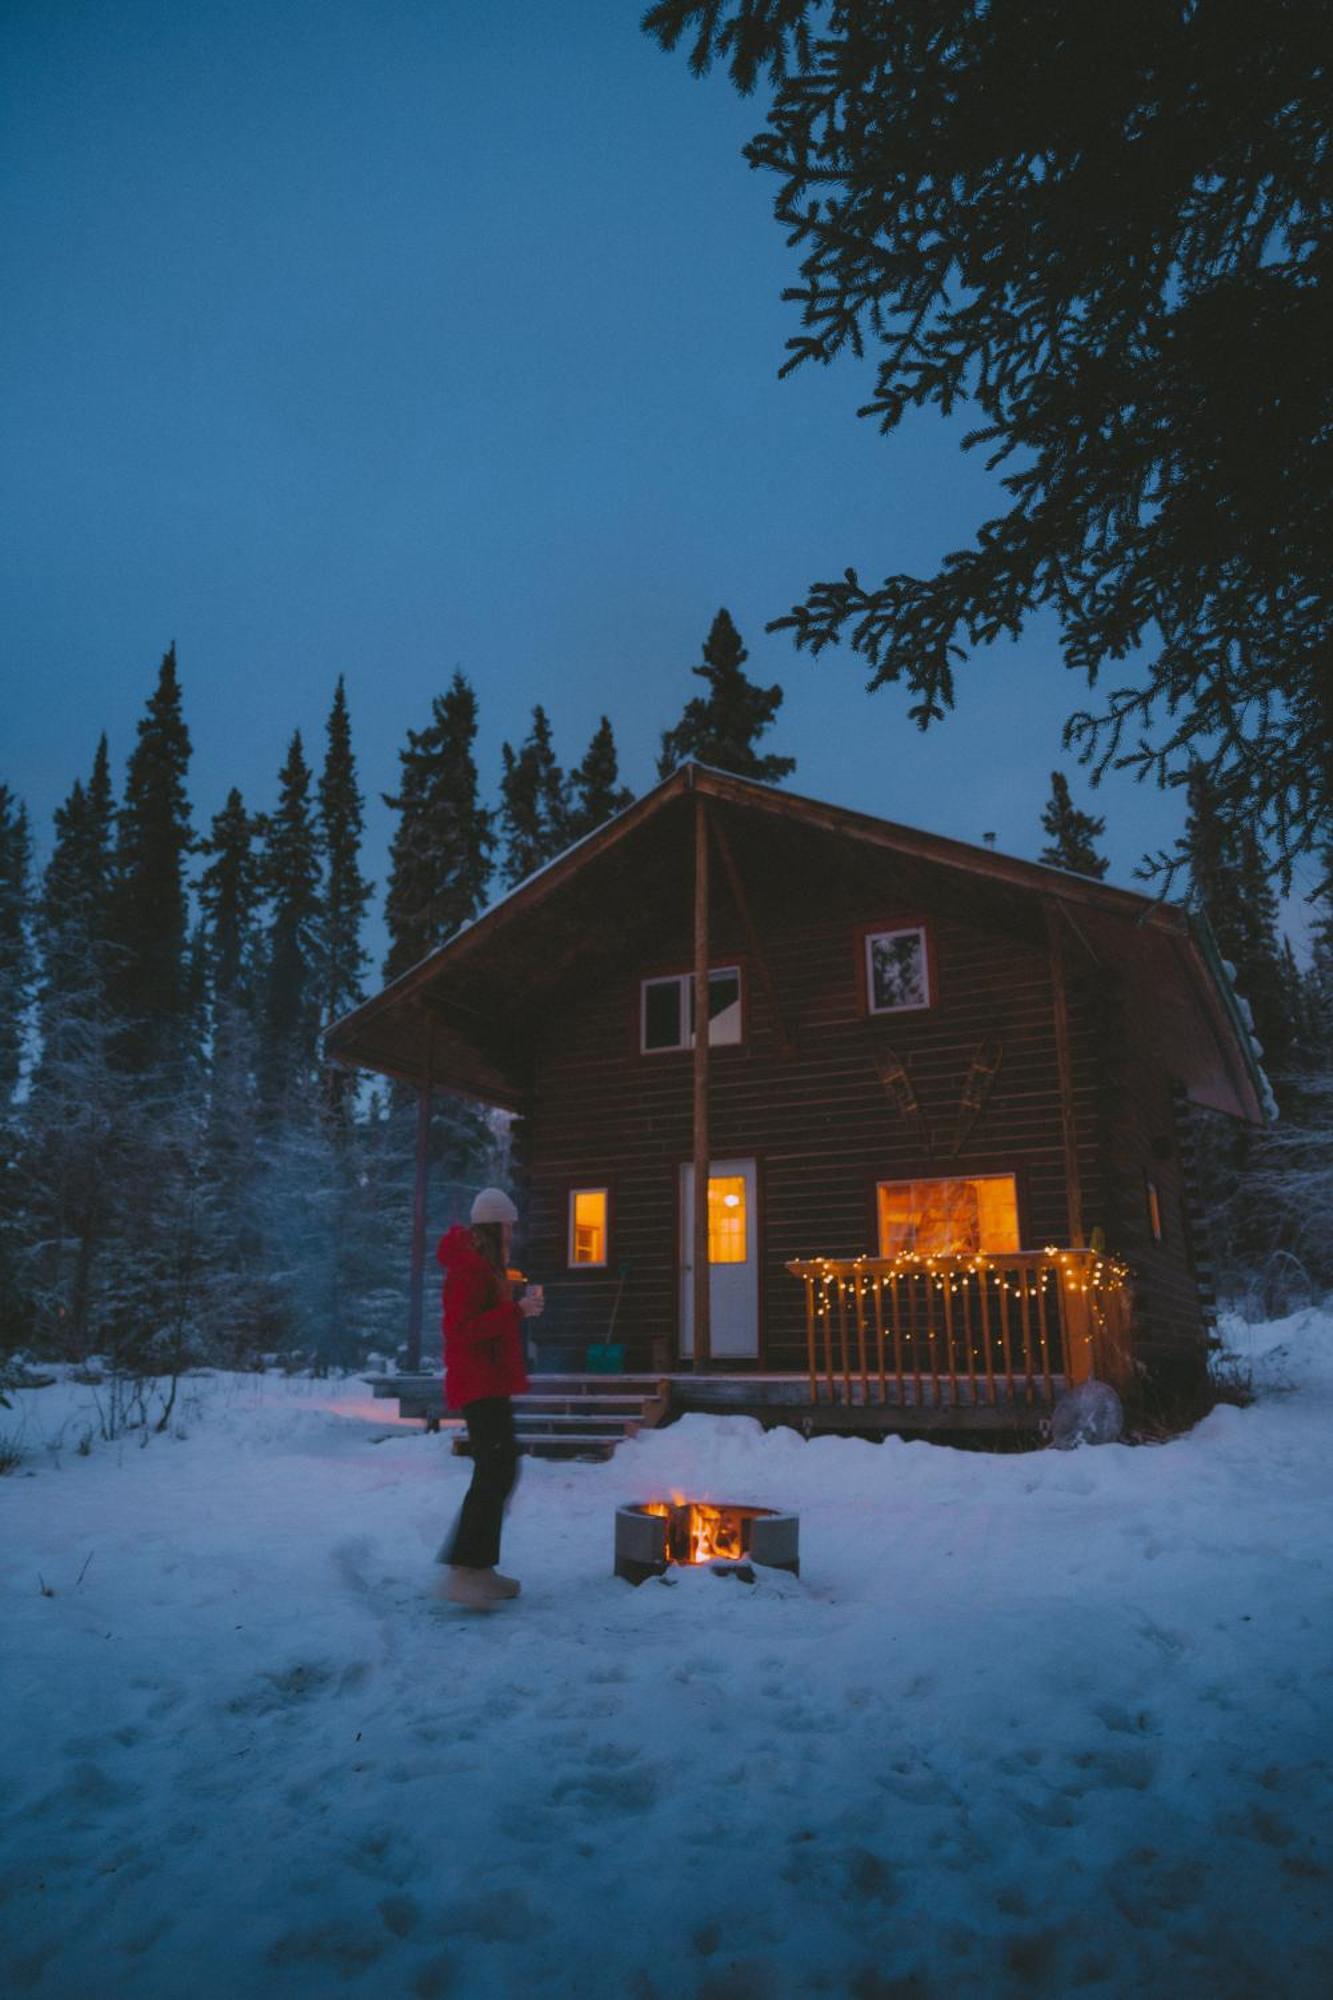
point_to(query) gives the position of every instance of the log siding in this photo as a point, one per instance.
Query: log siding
(821, 1123)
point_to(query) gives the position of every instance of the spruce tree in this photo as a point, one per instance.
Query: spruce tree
(1319, 979)
(231, 895)
(534, 808)
(1104, 233)
(16, 969)
(230, 892)
(346, 890)
(16, 973)
(440, 858)
(722, 727)
(73, 913)
(79, 1119)
(291, 988)
(1230, 879)
(1071, 833)
(595, 791)
(148, 913)
(439, 867)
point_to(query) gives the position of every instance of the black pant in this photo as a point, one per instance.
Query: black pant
(475, 1541)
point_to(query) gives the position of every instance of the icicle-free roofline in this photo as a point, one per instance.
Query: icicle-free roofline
(941, 850)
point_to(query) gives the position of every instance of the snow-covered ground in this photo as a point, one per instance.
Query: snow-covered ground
(1052, 1723)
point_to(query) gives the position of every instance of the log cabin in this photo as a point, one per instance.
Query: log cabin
(940, 1107)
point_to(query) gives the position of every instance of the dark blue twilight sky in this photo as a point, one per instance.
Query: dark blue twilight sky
(388, 338)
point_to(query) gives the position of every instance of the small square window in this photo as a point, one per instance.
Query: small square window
(897, 970)
(724, 1007)
(667, 1010)
(662, 1014)
(587, 1226)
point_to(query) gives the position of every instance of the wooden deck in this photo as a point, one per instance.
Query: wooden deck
(571, 1415)
(963, 1331)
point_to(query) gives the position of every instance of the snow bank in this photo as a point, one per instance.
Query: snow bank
(1034, 1724)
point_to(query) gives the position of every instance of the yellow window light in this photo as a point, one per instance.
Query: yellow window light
(948, 1216)
(726, 1219)
(587, 1226)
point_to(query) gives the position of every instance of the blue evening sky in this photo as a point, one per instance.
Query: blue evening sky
(384, 339)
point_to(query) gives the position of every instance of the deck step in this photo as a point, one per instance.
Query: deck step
(531, 1420)
(590, 1444)
(560, 1416)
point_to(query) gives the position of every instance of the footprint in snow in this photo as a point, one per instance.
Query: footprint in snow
(290, 1687)
(632, 1787)
(1123, 1721)
(1127, 1767)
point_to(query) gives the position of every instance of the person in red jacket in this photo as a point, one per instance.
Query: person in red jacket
(483, 1368)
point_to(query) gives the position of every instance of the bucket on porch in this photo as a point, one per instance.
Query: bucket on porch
(606, 1357)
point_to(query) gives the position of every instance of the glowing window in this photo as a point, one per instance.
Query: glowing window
(936, 1217)
(726, 1219)
(667, 1010)
(587, 1226)
(897, 971)
(1154, 1209)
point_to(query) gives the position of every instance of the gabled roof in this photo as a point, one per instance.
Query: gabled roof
(446, 1018)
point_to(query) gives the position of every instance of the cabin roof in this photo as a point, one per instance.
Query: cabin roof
(461, 1017)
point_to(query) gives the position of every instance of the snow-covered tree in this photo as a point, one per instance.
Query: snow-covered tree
(1230, 878)
(79, 1117)
(16, 985)
(16, 968)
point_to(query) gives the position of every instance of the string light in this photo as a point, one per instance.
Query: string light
(1030, 1276)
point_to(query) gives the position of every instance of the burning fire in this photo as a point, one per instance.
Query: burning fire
(698, 1533)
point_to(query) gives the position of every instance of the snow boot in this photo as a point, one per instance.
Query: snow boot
(506, 1586)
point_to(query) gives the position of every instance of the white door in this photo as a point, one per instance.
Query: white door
(733, 1260)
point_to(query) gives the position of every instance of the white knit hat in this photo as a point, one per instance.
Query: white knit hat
(493, 1205)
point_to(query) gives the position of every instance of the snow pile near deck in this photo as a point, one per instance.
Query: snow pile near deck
(1045, 1723)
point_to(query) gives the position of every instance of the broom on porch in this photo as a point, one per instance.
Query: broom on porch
(607, 1357)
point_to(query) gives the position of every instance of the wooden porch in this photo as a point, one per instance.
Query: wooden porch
(909, 1344)
(967, 1331)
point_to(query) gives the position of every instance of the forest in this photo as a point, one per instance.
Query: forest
(184, 1179)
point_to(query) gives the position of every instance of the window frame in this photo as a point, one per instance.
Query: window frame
(865, 974)
(1011, 1174)
(588, 1263)
(684, 981)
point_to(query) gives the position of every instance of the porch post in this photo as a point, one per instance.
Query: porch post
(1064, 1067)
(417, 1281)
(703, 1351)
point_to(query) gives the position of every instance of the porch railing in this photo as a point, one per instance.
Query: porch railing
(963, 1330)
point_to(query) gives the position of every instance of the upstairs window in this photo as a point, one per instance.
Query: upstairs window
(667, 1010)
(587, 1226)
(897, 970)
(939, 1217)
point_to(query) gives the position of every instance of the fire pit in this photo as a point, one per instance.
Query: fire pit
(655, 1534)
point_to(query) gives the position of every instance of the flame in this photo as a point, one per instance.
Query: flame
(697, 1532)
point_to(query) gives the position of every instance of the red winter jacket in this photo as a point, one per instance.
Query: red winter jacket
(483, 1342)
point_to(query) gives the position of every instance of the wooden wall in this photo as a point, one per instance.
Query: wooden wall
(822, 1126)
